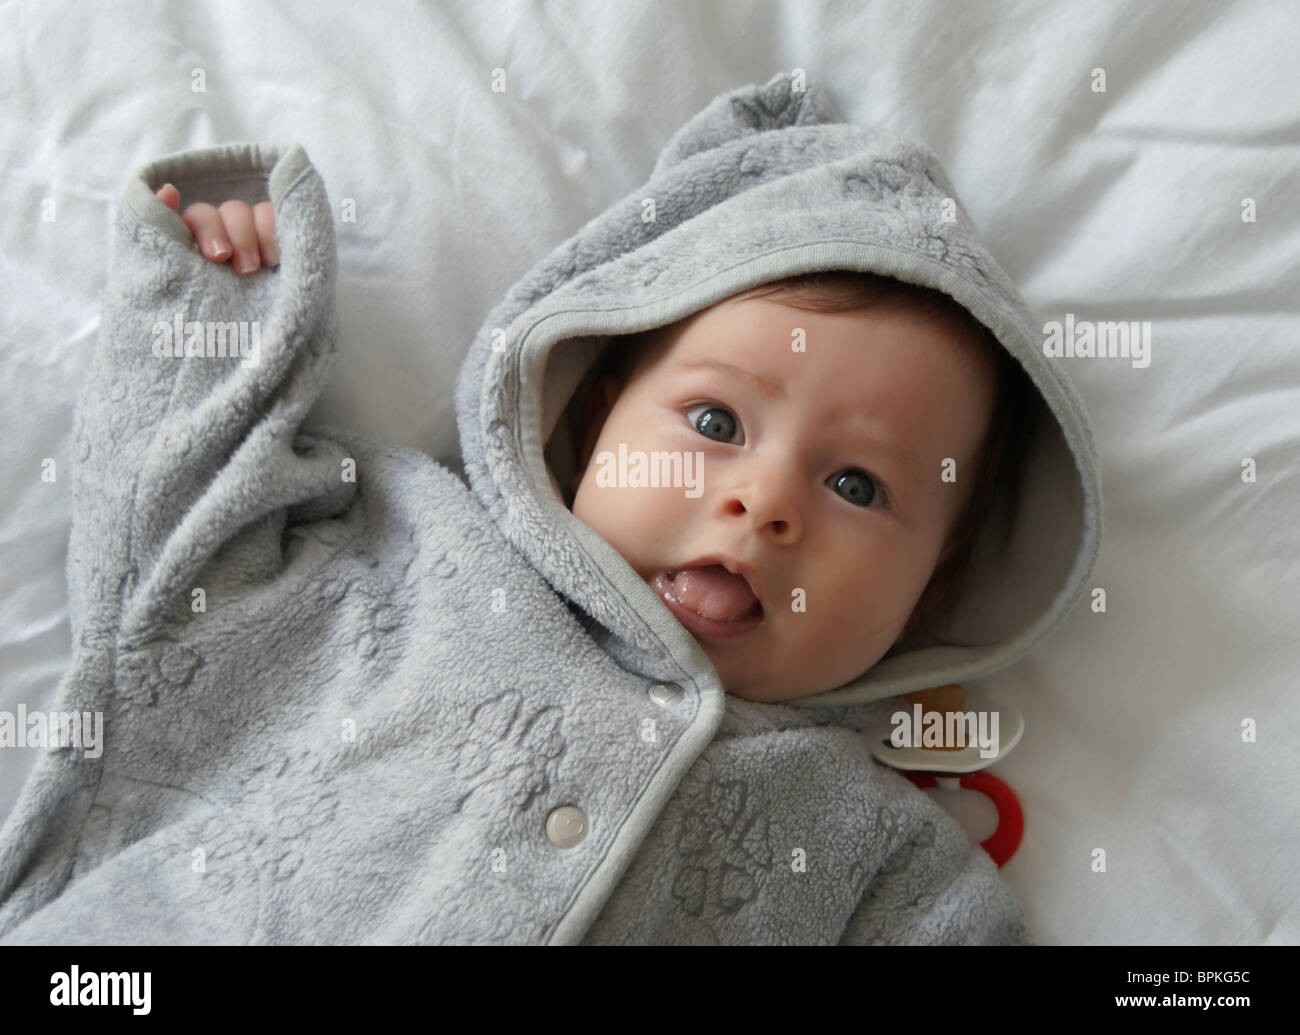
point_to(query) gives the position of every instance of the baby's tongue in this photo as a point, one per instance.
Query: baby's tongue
(713, 592)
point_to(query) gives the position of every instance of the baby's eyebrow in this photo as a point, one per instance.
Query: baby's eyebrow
(857, 429)
(764, 385)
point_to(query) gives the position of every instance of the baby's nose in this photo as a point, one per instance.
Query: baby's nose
(772, 504)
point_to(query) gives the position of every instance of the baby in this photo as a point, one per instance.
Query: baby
(351, 695)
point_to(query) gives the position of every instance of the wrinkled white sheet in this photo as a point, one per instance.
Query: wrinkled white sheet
(1122, 205)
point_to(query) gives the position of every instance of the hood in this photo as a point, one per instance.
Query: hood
(768, 182)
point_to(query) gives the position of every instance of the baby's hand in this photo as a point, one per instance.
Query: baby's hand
(234, 228)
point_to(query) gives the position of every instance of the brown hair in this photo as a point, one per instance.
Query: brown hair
(1001, 451)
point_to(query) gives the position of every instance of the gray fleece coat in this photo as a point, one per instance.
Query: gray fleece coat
(350, 698)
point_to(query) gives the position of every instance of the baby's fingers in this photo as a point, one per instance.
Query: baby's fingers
(237, 218)
(264, 221)
(170, 197)
(205, 224)
(231, 230)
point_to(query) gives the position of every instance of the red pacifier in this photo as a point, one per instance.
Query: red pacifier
(933, 740)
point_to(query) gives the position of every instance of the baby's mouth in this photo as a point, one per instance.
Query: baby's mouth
(709, 600)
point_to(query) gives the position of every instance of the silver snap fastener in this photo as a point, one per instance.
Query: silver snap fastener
(666, 693)
(566, 826)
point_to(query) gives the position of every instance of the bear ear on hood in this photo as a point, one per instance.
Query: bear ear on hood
(787, 99)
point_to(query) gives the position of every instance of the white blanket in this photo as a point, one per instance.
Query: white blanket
(1123, 205)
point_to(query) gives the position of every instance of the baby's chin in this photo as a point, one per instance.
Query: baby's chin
(758, 693)
(741, 678)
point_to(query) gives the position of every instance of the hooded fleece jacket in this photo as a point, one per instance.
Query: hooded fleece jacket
(349, 698)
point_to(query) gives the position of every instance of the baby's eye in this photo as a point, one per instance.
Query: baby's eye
(859, 488)
(711, 425)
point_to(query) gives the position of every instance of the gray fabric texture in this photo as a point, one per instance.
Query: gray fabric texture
(397, 678)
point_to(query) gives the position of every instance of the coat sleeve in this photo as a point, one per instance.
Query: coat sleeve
(937, 888)
(187, 422)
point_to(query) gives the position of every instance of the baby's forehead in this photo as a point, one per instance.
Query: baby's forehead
(748, 328)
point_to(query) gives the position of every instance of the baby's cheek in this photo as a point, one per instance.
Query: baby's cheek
(589, 507)
(617, 514)
(852, 636)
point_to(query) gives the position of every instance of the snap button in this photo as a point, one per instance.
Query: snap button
(566, 826)
(666, 694)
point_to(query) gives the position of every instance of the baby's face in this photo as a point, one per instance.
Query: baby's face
(829, 488)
